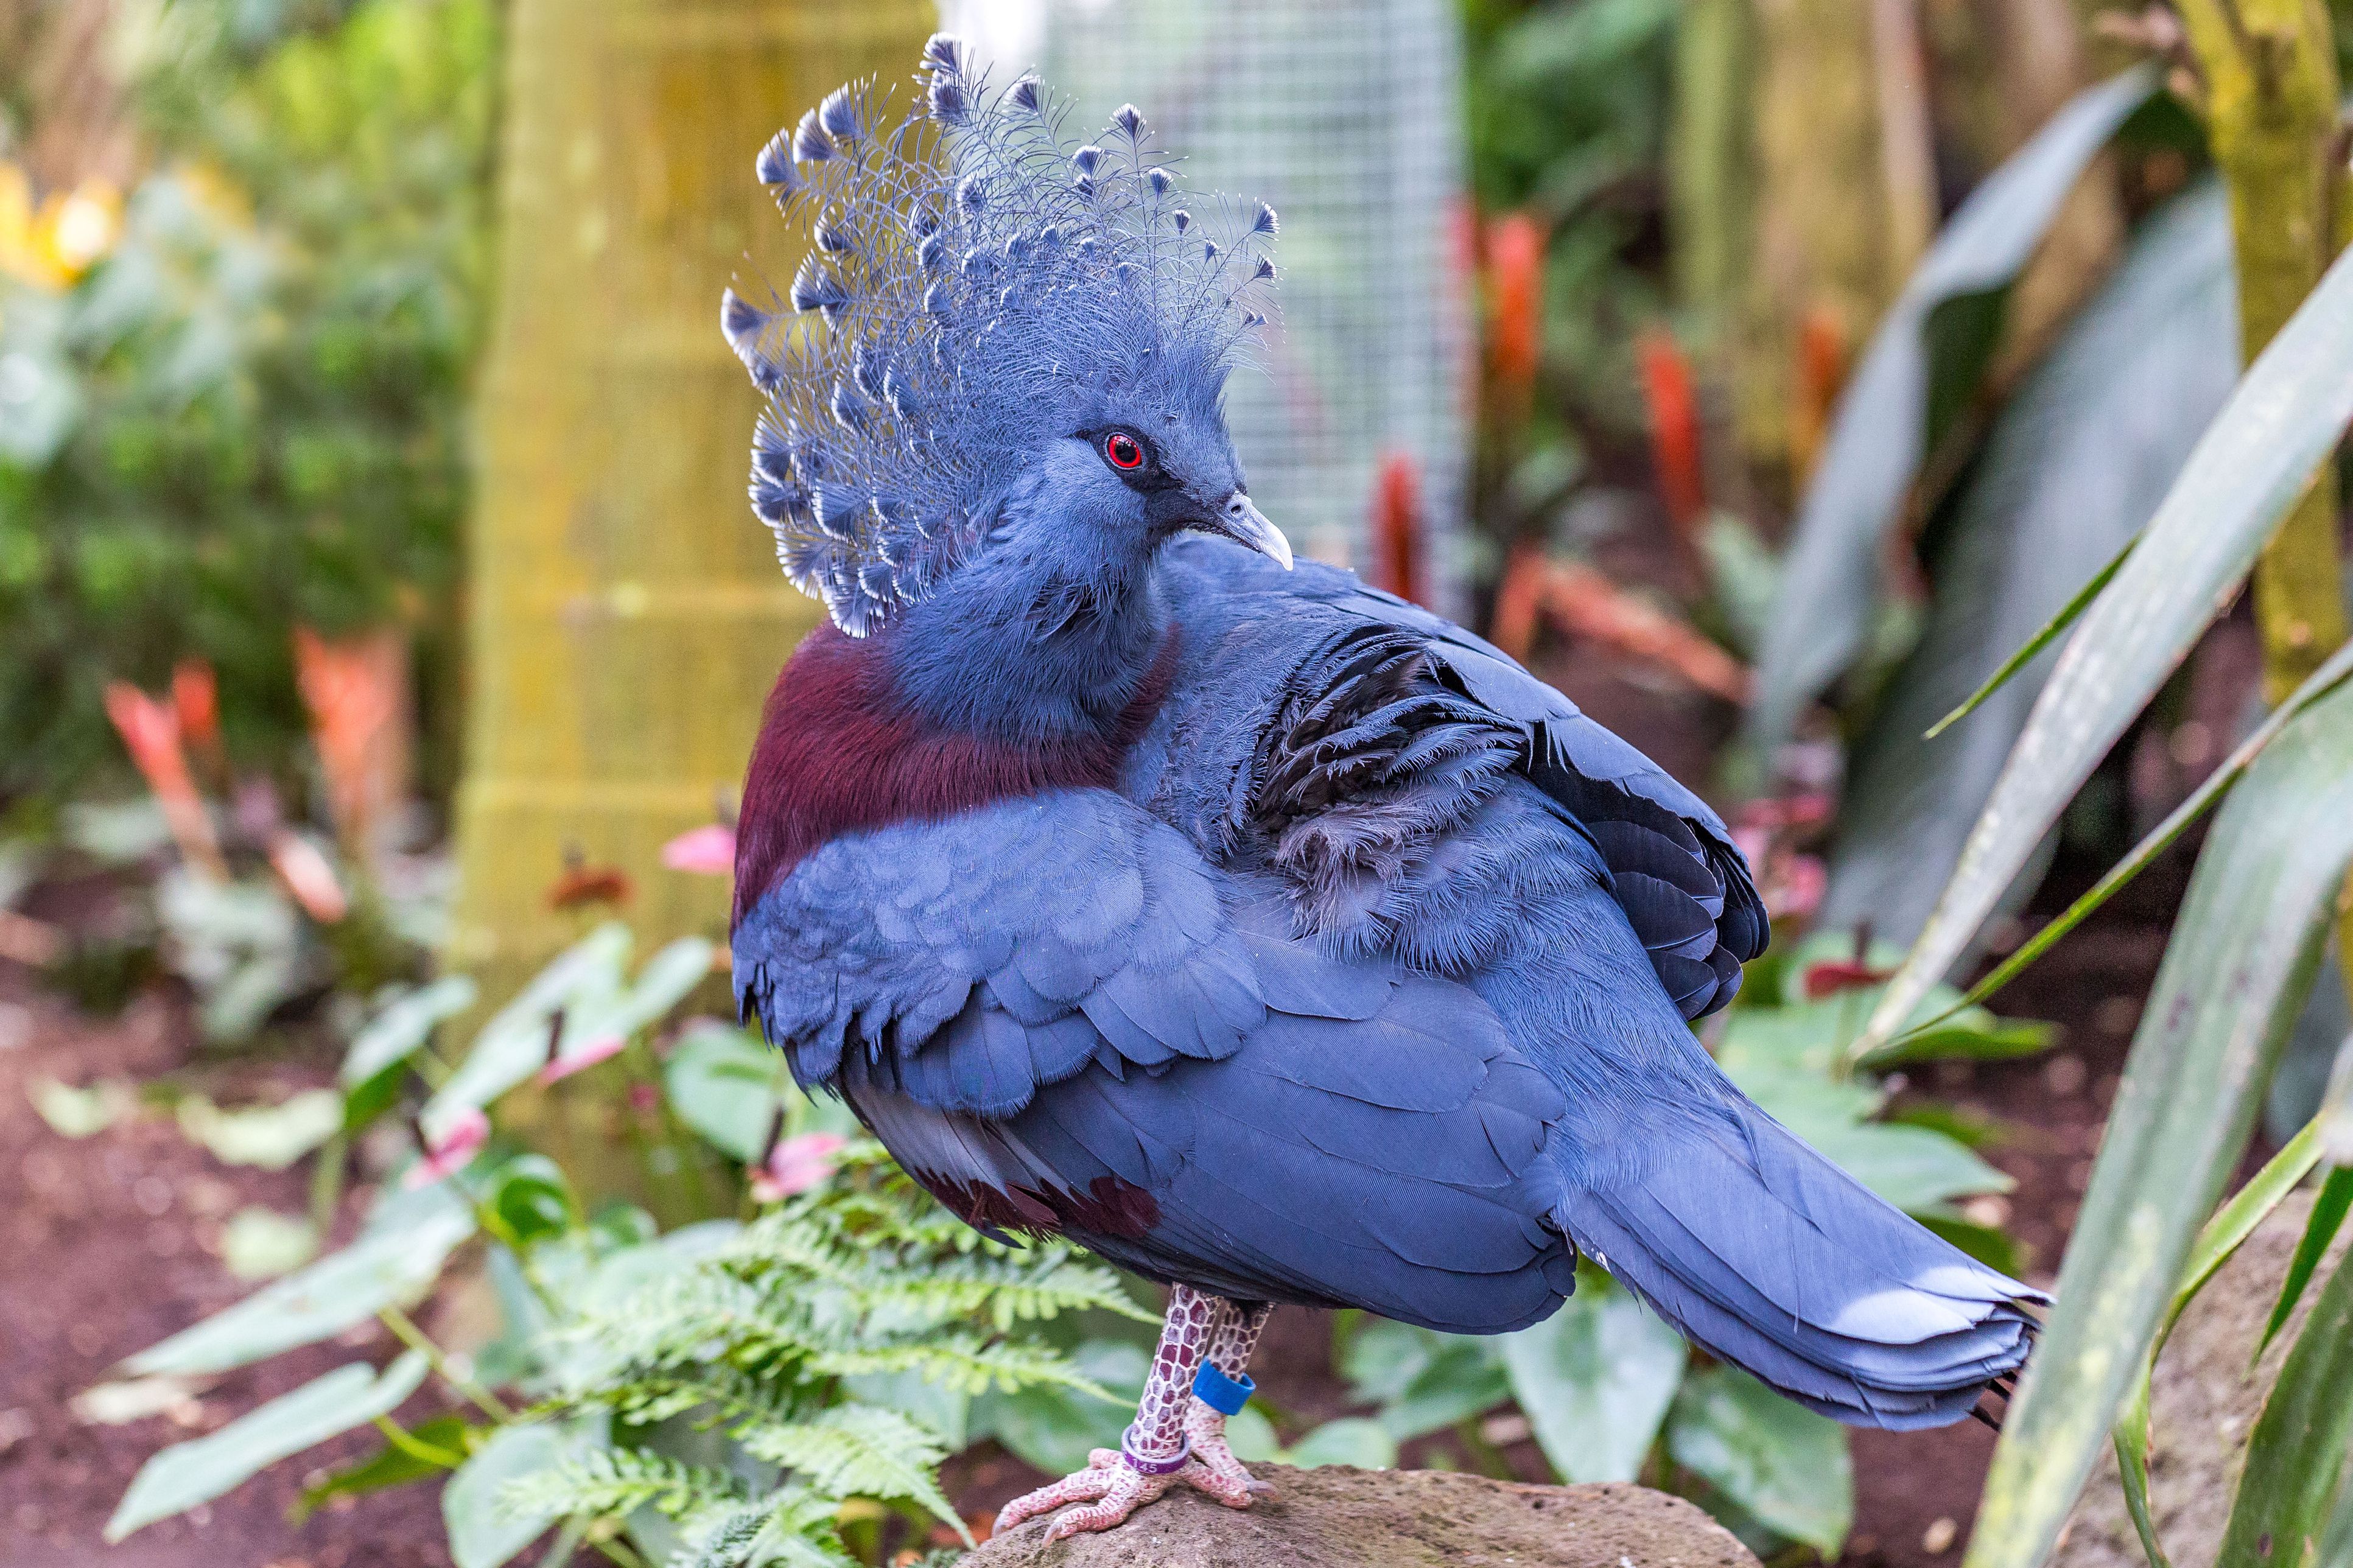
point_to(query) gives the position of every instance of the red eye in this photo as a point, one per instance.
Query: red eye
(1123, 451)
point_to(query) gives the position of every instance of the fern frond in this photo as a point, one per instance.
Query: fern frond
(615, 1481)
(858, 1450)
(791, 1526)
(965, 1363)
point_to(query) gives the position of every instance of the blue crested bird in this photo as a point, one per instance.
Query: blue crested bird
(1255, 930)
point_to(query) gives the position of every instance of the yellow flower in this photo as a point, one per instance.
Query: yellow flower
(53, 245)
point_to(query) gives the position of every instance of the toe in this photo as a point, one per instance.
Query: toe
(1233, 1488)
(1085, 1485)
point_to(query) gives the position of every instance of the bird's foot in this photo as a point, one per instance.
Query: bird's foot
(1110, 1489)
(1207, 1430)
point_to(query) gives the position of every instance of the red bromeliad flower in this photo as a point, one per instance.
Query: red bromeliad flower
(150, 733)
(1515, 258)
(195, 702)
(1396, 528)
(1674, 432)
(351, 690)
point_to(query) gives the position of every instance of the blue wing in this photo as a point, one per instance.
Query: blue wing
(1674, 870)
(1054, 1017)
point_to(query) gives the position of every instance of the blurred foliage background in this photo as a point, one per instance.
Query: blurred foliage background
(239, 319)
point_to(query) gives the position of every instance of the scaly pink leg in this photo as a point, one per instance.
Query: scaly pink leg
(1235, 1336)
(1154, 1455)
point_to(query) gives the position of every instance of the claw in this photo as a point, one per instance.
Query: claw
(1109, 1489)
(1206, 1429)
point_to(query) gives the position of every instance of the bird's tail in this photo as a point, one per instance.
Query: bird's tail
(1769, 1256)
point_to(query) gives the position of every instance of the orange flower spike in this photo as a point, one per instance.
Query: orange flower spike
(1820, 374)
(1517, 600)
(196, 704)
(350, 705)
(1674, 430)
(150, 733)
(1516, 259)
(1396, 528)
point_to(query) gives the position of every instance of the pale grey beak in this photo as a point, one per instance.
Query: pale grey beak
(1243, 524)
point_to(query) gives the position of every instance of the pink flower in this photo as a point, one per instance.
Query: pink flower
(796, 1165)
(708, 851)
(467, 1133)
(588, 1056)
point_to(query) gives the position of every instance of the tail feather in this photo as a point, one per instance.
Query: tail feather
(1771, 1257)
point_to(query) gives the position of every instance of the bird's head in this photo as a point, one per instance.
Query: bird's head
(1002, 342)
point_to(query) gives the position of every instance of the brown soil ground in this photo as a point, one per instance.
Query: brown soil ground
(107, 1245)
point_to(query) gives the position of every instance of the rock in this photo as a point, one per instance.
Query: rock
(2202, 1404)
(1339, 1516)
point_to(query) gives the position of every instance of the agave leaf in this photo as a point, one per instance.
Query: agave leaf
(1879, 432)
(2220, 1237)
(2242, 952)
(2025, 653)
(2322, 681)
(2295, 1455)
(2327, 1213)
(2074, 468)
(2281, 421)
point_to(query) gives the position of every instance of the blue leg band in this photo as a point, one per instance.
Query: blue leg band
(1224, 1395)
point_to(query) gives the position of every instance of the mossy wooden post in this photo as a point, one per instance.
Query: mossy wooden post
(627, 615)
(1821, 260)
(2270, 69)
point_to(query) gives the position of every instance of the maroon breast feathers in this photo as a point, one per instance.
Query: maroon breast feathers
(841, 752)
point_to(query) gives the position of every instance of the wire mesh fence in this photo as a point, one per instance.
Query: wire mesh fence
(1343, 114)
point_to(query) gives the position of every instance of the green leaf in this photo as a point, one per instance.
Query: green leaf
(2321, 1229)
(261, 1244)
(2296, 1455)
(399, 1029)
(2073, 469)
(388, 1467)
(513, 1045)
(1594, 1380)
(2219, 1237)
(1788, 1467)
(668, 977)
(1880, 431)
(2336, 1115)
(2283, 418)
(2241, 955)
(82, 1112)
(530, 1196)
(484, 1531)
(390, 1264)
(186, 1474)
(1350, 1440)
(2324, 681)
(2024, 655)
(1423, 1379)
(1253, 1437)
(270, 1136)
(1911, 1167)
(728, 1086)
